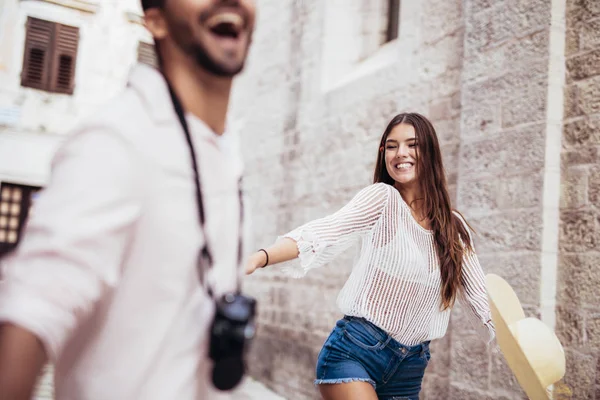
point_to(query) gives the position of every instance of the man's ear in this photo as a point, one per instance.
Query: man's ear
(155, 23)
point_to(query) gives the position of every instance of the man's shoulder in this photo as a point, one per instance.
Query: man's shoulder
(125, 117)
(124, 114)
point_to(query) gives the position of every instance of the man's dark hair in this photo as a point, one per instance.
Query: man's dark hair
(146, 4)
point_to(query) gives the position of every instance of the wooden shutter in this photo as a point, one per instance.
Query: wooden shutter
(37, 57)
(62, 76)
(147, 54)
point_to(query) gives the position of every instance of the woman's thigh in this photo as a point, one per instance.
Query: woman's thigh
(348, 391)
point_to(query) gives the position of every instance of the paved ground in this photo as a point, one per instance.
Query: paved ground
(248, 390)
(252, 390)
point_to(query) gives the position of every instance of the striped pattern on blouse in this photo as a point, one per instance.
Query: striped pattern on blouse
(395, 282)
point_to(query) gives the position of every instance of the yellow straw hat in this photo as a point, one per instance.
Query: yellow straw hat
(531, 348)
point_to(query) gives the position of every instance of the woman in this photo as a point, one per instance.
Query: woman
(416, 258)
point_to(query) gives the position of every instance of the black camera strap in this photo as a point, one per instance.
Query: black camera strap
(205, 259)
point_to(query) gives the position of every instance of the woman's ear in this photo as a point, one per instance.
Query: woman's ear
(155, 23)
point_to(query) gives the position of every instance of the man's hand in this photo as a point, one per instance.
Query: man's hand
(22, 357)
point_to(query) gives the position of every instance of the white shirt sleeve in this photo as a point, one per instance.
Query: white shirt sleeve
(321, 240)
(474, 295)
(75, 241)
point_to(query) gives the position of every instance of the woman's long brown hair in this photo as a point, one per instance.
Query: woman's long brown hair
(452, 239)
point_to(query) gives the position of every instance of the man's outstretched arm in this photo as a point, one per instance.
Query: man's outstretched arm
(70, 255)
(22, 357)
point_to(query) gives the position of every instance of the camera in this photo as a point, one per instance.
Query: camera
(231, 333)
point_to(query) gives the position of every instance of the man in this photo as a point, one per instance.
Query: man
(105, 284)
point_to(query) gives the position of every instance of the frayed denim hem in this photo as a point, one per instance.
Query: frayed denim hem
(343, 380)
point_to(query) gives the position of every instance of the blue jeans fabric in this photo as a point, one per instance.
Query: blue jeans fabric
(357, 350)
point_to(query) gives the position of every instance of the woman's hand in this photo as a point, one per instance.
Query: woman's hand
(255, 261)
(283, 250)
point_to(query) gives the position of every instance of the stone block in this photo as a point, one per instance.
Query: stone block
(461, 322)
(592, 332)
(478, 32)
(569, 325)
(579, 231)
(443, 54)
(484, 64)
(439, 365)
(450, 155)
(594, 186)
(528, 49)
(588, 96)
(589, 34)
(583, 66)
(440, 110)
(481, 119)
(534, 72)
(582, 11)
(598, 370)
(580, 377)
(465, 392)
(571, 102)
(447, 130)
(502, 26)
(443, 17)
(582, 132)
(480, 196)
(435, 387)
(581, 156)
(502, 377)
(572, 41)
(578, 280)
(522, 190)
(446, 85)
(521, 270)
(476, 6)
(492, 157)
(505, 21)
(527, 106)
(574, 188)
(513, 231)
(470, 361)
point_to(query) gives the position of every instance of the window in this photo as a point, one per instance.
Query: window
(15, 203)
(50, 56)
(355, 38)
(147, 54)
(393, 20)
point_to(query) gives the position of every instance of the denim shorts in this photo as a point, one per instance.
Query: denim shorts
(357, 350)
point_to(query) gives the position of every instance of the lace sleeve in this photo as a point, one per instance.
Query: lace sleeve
(319, 241)
(473, 294)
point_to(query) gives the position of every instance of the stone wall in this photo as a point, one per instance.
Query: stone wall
(501, 169)
(311, 145)
(490, 75)
(578, 309)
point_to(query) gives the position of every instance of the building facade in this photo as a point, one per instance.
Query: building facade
(513, 89)
(58, 61)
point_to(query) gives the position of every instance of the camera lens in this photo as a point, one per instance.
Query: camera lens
(228, 373)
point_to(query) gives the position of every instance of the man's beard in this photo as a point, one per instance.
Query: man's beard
(204, 61)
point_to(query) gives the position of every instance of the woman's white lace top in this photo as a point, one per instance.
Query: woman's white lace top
(395, 282)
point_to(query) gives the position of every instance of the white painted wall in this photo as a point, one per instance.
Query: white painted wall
(107, 51)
